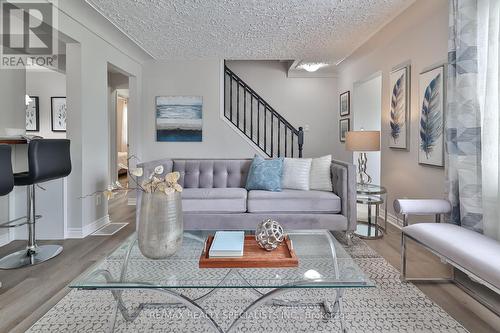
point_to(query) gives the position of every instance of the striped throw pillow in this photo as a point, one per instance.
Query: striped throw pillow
(321, 178)
(296, 173)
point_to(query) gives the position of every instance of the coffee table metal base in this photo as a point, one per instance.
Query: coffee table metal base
(193, 304)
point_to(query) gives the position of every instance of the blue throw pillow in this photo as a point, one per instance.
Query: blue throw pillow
(265, 174)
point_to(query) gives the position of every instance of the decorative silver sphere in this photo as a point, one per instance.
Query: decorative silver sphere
(269, 234)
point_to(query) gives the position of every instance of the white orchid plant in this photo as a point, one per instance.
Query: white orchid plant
(153, 183)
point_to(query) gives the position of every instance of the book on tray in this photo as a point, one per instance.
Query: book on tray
(227, 244)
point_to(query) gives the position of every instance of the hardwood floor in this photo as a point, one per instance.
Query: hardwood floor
(28, 293)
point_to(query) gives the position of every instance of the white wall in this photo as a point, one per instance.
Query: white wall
(12, 114)
(45, 84)
(419, 34)
(97, 44)
(12, 101)
(188, 78)
(88, 123)
(302, 101)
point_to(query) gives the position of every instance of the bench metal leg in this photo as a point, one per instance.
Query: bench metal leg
(404, 277)
(403, 257)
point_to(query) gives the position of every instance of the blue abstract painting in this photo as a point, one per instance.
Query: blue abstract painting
(179, 118)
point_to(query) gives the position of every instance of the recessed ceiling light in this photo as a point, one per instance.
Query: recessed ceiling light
(311, 66)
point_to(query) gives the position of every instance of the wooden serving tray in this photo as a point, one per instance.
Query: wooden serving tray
(253, 256)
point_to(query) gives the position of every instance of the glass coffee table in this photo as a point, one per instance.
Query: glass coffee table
(323, 263)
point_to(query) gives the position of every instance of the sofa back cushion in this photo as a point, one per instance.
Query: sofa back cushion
(212, 173)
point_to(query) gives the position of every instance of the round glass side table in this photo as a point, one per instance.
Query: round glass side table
(371, 195)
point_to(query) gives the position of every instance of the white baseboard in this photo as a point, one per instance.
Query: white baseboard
(88, 229)
(392, 219)
(5, 239)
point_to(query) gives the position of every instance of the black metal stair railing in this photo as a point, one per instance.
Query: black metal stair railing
(260, 123)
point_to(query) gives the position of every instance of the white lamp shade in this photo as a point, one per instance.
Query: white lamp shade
(363, 140)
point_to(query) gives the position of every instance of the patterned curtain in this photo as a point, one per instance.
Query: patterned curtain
(489, 101)
(463, 117)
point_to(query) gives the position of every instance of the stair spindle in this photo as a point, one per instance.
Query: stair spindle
(267, 124)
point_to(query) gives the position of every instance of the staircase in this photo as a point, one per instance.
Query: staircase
(258, 121)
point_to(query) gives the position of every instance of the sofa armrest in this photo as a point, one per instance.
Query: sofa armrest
(344, 185)
(421, 206)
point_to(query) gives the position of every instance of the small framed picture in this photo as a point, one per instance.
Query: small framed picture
(58, 113)
(344, 127)
(32, 115)
(345, 104)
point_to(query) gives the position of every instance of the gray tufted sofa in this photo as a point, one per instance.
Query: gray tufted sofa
(215, 198)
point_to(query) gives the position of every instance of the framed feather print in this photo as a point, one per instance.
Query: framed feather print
(399, 108)
(431, 107)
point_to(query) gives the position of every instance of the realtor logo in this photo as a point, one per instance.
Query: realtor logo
(28, 34)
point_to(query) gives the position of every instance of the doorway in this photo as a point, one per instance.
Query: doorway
(122, 134)
(367, 115)
(118, 95)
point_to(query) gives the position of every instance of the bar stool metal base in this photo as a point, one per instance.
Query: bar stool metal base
(26, 257)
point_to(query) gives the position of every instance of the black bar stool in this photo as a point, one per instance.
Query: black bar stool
(48, 159)
(6, 176)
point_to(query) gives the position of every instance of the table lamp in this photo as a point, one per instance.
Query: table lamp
(363, 141)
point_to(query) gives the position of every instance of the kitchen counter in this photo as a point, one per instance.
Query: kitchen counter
(13, 140)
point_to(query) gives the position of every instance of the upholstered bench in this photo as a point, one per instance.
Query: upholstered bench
(471, 252)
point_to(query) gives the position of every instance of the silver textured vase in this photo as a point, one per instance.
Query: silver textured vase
(160, 224)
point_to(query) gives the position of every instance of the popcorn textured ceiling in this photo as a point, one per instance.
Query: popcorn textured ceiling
(249, 29)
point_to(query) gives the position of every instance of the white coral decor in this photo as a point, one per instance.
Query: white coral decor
(159, 169)
(155, 183)
(138, 172)
(167, 185)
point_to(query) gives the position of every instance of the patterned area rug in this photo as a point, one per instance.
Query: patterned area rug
(389, 307)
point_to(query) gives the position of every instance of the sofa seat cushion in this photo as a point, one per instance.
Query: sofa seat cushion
(289, 201)
(214, 200)
(471, 250)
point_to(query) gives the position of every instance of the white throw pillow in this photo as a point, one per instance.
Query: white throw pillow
(296, 173)
(320, 173)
